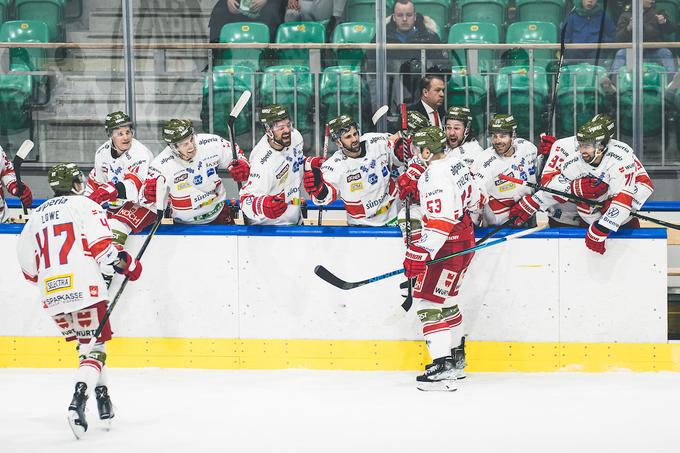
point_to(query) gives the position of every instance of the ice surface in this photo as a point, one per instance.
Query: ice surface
(161, 410)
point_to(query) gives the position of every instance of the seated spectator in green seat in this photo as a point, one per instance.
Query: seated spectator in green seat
(269, 12)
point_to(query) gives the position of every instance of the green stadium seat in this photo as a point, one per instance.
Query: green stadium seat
(288, 84)
(531, 33)
(352, 33)
(437, 10)
(489, 11)
(25, 31)
(579, 94)
(242, 33)
(49, 11)
(298, 33)
(361, 11)
(15, 101)
(339, 90)
(475, 98)
(652, 84)
(513, 96)
(474, 33)
(229, 82)
(541, 10)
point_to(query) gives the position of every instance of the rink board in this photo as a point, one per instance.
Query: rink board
(246, 297)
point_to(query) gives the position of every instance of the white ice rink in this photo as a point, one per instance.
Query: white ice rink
(161, 410)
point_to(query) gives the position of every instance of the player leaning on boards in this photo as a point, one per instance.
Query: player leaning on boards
(8, 180)
(509, 155)
(559, 151)
(272, 194)
(359, 173)
(60, 250)
(120, 168)
(602, 170)
(189, 165)
(448, 193)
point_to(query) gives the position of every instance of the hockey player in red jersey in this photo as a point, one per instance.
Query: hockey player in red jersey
(448, 192)
(8, 180)
(60, 250)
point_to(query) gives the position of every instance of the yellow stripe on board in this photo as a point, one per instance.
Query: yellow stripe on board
(218, 353)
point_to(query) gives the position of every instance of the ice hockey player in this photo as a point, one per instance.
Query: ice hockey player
(359, 173)
(9, 182)
(448, 192)
(507, 155)
(60, 250)
(189, 164)
(602, 170)
(272, 194)
(120, 168)
(566, 214)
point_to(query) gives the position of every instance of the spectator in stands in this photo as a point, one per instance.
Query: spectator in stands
(431, 103)
(316, 10)
(406, 26)
(587, 23)
(656, 27)
(269, 12)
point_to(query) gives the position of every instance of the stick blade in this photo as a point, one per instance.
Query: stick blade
(329, 277)
(242, 101)
(379, 114)
(24, 149)
(161, 192)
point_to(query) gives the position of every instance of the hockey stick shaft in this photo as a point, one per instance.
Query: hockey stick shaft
(161, 190)
(325, 156)
(407, 202)
(331, 278)
(587, 201)
(18, 160)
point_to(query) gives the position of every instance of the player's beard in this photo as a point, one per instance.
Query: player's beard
(285, 139)
(454, 142)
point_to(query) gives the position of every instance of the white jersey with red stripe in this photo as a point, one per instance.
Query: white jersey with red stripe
(470, 153)
(195, 191)
(130, 168)
(618, 169)
(565, 149)
(61, 248)
(365, 184)
(502, 195)
(8, 179)
(274, 172)
(448, 192)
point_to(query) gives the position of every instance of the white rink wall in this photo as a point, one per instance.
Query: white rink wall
(250, 282)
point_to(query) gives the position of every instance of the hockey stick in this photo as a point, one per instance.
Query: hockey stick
(379, 114)
(19, 158)
(325, 156)
(161, 190)
(242, 101)
(407, 204)
(596, 204)
(334, 280)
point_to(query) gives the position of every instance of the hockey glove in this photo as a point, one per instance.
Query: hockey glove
(545, 144)
(26, 195)
(240, 170)
(104, 193)
(314, 184)
(596, 236)
(128, 266)
(150, 190)
(399, 146)
(523, 209)
(408, 182)
(414, 261)
(273, 207)
(591, 188)
(313, 162)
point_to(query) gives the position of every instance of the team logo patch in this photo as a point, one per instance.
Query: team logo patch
(198, 179)
(84, 318)
(353, 177)
(210, 172)
(372, 178)
(283, 173)
(94, 291)
(353, 187)
(58, 283)
(183, 185)
(181, 177)
(445, 282)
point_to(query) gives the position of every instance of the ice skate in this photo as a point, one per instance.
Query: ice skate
(76, 411)
(458, 354)
(104, 405)
(438, 376)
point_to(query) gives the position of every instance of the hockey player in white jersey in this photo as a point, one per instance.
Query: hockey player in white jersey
(189, 164)
(272, 194)
(602, 171)
(448, 192)
(507, 155)
(120, 168)
(60, 250)
(566, 214)
(359, 173)
(460, 137)
(8, 180)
